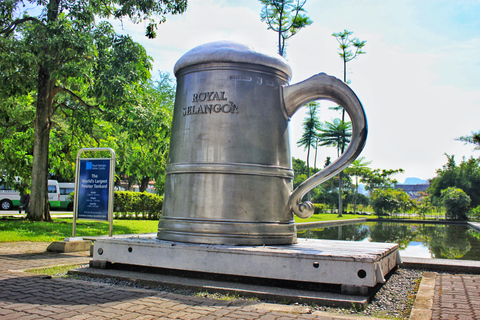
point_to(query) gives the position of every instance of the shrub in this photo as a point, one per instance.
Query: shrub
(320, 208)
(386, 201)
(423, 206)
(456, 203)
(144, 204)
(475, 213)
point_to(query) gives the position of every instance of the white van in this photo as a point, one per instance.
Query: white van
(54, 194)
(10, 198)
(65, 189)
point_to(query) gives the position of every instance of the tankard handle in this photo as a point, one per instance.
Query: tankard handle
(325, 87)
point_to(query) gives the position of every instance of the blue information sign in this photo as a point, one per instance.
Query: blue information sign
(93, 189)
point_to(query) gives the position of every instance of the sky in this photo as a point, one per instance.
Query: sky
(418, 81)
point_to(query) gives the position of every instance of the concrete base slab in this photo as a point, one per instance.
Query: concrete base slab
(450, 265)
(284, 295)
(70, 246)
(356, 267)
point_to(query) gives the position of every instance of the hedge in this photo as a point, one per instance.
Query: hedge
(320, 208)
(140, 204)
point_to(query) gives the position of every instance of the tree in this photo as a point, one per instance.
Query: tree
(472, 139)
(145, 135)
(389, 200)
(380, 179)
(423, 206)
(465, 176)
(16, 143)
(66, 61)
(311, 127)
(300, 171)
(286, 17)
(456, 203)
(336, 134)
(358, 168)
(349, 50)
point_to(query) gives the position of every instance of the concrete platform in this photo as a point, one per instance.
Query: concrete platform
(285, 295)
(70, 245)
(355, 267)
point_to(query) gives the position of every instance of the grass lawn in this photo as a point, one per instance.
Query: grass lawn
(12, 230)
(330, 217)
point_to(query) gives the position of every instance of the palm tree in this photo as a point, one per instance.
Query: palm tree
(311, 127)
(337, 134)
(473, 139)
(357, 169)
(350, 48)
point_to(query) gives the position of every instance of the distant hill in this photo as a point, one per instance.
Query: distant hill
(414, 181)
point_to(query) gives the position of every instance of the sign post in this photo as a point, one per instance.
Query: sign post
(94, 182)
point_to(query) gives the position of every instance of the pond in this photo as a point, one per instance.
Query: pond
(415, 240)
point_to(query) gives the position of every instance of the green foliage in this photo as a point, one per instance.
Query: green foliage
(311, 127)
(472, 139)
(144, 135)
(75, 69)
(286, 17)
(456, 202)
(465, 176)
(423, 206)
(358, 169)
(335, 134)
(350, 48)
(380, 179)
(16, 145)
(144, 204)
(475, 213)
(385, 201)
(320, 208)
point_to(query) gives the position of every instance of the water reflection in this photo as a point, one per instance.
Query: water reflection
(416, 240)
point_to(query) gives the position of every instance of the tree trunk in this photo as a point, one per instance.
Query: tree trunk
(39, 206)
(131, 181)
(281, 40)
(309, 196)
(340, 192)
(355, 198)
(144, 183)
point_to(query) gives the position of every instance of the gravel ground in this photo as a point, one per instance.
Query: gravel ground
(394, 300)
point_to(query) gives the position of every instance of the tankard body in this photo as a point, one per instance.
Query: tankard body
(229, 176)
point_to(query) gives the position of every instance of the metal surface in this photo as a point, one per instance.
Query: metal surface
(346, 263)
(229, 176)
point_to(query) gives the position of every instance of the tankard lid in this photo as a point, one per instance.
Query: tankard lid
(229, 51)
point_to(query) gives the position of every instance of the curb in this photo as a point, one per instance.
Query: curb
(422, 308)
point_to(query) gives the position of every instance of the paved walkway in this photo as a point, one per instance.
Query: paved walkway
(27, 296)
(457, 297)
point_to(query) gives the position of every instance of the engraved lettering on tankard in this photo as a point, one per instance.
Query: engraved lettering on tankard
(229, 174)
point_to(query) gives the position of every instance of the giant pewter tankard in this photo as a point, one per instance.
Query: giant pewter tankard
(229, 176)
